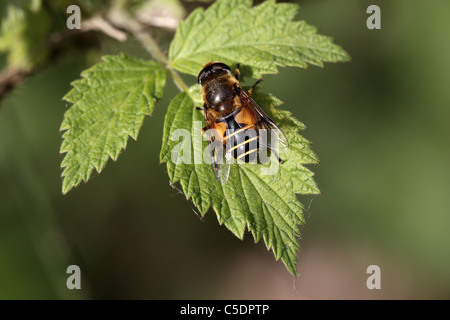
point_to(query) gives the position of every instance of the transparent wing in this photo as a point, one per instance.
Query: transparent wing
(263, 120)
(272, 137)
(218, 155)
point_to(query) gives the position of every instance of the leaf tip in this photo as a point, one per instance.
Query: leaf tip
(65, 189)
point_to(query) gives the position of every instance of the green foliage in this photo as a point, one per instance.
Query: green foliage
(264, 204)
(113, 97)
(109, 104)
(260, 38)
(22, 35)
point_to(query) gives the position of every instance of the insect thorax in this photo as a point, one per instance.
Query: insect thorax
(219, 94)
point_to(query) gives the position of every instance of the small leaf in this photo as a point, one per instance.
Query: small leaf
(260, 38)
(109, 104)
(264, 204)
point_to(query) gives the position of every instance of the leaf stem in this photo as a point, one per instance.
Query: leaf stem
(178, 81)
(121, 18)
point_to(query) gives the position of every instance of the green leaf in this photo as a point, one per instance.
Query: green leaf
(266, 205)
(260, 38)
(109, 104)
(22, 35)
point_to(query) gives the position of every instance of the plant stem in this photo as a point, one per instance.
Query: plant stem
(178, 81)
(119, 17)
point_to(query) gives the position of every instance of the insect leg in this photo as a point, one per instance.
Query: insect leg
(204, 129)
(276, 155)
(237, 74)
(200, 109)
(254, 85)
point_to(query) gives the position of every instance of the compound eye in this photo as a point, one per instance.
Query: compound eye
(220, 66)
(210, 69)
(202, 75)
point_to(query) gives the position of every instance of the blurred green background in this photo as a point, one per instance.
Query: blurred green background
(379, 125)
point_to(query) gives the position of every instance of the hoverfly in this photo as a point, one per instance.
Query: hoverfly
(236, 119)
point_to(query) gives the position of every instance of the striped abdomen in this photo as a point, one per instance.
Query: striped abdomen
(241, 136)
